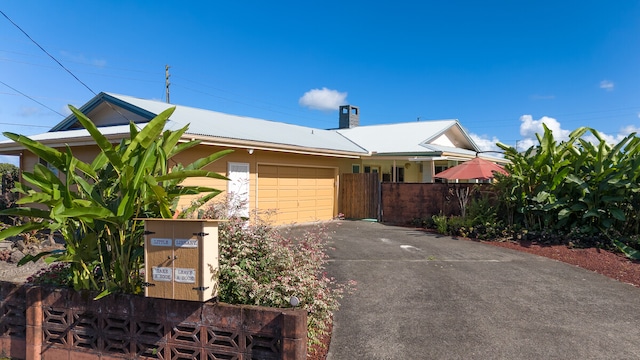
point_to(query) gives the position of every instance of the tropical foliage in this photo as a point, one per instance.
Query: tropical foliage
(582, 186)
(10, 175)
(582, 190)
(96, 206)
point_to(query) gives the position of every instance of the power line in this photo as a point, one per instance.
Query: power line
(46, 52)
(30, 125)
(29, 97)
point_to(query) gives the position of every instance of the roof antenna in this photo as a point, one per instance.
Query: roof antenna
(166, 81)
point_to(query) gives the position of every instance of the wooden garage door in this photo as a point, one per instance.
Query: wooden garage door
(296, 194)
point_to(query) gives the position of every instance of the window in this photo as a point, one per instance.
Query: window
(369, 169)
(355, 168)
(399, 174)
(438, 169)
(49, 166)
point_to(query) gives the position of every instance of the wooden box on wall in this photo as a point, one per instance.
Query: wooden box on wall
(181, 259)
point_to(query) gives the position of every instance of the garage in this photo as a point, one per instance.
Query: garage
(296, 194)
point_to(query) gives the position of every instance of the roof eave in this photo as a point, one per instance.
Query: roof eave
(94, 102)
(259, 145)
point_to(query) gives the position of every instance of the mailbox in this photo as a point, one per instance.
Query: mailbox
(181, 258)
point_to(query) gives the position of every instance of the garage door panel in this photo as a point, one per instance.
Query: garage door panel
(298, 194)
(268, 171)
(268, 181)
(287, 182)
(310, 203)
(324, 203)
(288, 194)
(287, 172)
(307, 193)
(268, 205)
(287, 205)
(324, 192)
(307, 182)
(307, 173)
(269, 193)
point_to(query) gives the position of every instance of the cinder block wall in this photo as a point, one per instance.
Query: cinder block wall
(46, 323)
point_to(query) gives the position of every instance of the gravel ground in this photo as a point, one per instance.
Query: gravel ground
(19, 274)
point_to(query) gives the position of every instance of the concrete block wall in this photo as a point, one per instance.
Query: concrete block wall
(46, 323)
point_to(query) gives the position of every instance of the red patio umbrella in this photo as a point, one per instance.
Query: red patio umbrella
(473, 169)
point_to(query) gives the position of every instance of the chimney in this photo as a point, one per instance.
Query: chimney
(349, 116)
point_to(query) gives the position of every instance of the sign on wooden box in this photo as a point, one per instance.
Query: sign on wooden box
(181, 259)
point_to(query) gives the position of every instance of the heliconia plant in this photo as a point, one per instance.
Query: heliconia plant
(94, 206)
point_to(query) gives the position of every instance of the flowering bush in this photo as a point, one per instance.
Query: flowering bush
(58, 274)
(267, 266)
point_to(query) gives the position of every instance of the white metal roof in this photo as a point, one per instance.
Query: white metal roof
(217, 124)
(403, 138)
(414, 138)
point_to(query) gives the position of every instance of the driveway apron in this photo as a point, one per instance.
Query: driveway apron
(425, 296)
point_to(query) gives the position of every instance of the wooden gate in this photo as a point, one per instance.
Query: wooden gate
(359, 196)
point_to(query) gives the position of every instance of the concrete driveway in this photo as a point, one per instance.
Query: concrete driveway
(424, 296)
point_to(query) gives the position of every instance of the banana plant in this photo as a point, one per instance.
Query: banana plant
(579, 183)
(95, 206)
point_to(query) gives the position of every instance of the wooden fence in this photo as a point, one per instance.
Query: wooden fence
(362, 196)
(359, 196)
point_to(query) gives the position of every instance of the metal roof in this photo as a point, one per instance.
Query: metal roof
(415, 138)
(216, 124)
(405, 138)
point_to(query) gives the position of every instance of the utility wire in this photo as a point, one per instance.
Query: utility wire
(29, 97)
(46, 52)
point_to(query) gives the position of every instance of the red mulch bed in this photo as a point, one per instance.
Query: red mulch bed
(319, 352)
(607, 263)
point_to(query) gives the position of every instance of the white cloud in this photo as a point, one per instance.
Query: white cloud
(616, 138)
(529, 127)
(630, 129)
(29, 111)
(485, 143)
(99, 62)
(65, 110)
(80, 58)
(323, 99)
(607, 85)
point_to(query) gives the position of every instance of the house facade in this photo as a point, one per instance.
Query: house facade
(290, 169)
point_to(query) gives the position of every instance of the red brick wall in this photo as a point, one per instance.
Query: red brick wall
(403, 203)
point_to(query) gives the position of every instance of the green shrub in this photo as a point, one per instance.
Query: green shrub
(440, 222)
(458, 226)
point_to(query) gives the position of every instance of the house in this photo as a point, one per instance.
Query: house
(293, 169)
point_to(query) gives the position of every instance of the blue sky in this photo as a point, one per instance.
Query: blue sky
(501, 67)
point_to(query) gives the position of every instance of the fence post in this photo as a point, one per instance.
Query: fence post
(34, 323)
